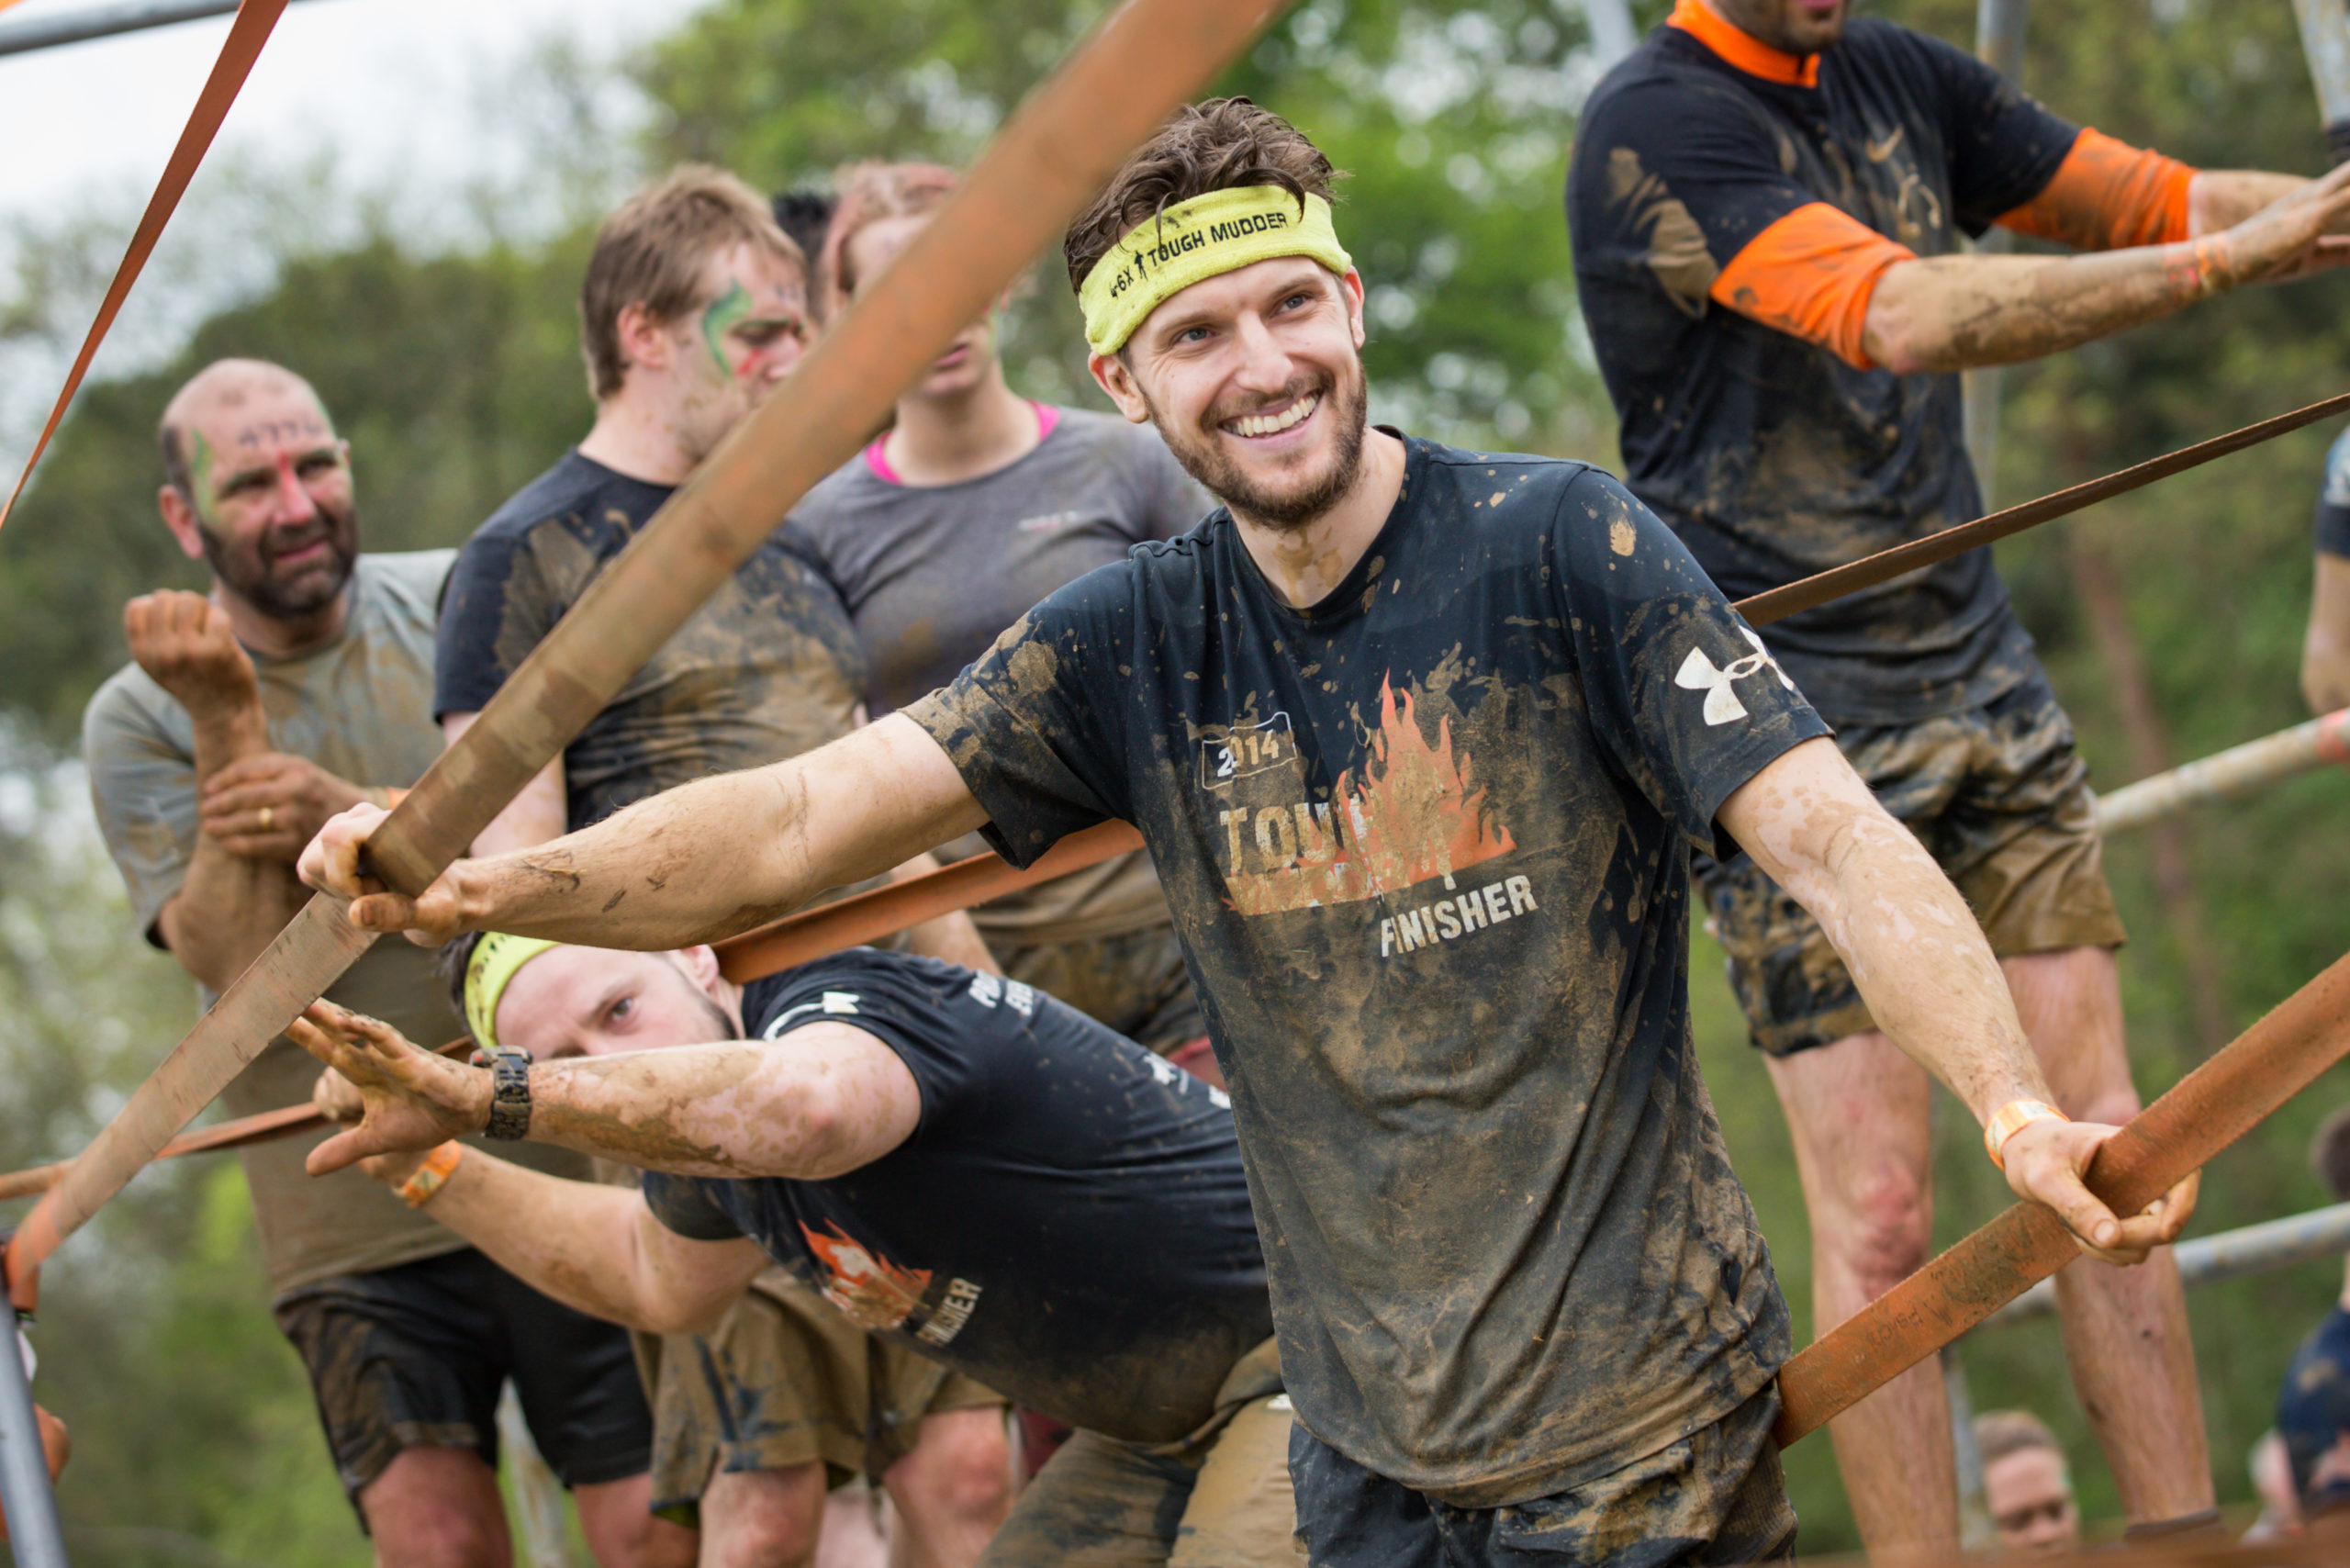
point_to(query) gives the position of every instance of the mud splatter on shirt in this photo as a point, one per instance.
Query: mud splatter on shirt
(1069, 1222)
(1772, 458)
(769, 667)
(1426, 846)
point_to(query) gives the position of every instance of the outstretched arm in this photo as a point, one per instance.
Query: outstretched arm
(821, 1102)
(1928, 976)
(695, 864)
(594, 1247)
(1945, 313)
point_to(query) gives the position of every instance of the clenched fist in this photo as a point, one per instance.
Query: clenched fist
(184, 641)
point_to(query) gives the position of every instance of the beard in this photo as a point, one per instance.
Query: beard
(1289, 502)
(298, 592)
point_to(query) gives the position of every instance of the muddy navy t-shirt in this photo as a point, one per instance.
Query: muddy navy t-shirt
(1426, 847)
(768, 668)
(1771, 457)
(1069, 1222)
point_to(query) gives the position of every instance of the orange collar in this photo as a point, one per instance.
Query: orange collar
(1742, 50)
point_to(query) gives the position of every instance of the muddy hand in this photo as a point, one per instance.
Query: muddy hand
(331, 864)
(2294, 236)
(2047, 1161)
(184, 640)
(268, 807)
(410, 1099)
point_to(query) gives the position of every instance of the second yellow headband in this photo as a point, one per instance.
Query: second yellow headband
(487, 971)
(1197, 240)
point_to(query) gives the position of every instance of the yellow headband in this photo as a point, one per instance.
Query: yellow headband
(1194, 241)
(488, 972)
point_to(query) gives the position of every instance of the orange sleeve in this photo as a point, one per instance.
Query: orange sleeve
(1810, 275)
(2107, 194)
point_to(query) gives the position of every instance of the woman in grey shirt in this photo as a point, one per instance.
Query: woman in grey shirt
(975, 505)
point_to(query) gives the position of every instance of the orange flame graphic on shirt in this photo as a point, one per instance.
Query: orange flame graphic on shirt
(873, 1291)
(1413, 817)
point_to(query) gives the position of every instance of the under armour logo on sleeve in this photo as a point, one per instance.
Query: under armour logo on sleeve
(1698, 673)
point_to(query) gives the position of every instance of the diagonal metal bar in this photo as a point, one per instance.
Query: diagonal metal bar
(237, 52)
(1058, 150)
(1902, 559)
(2202, 1115)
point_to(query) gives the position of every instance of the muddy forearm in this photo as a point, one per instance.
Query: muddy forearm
(574, 1240)
(721, 856)
(229, 906)
(823, 1100)
(1950, 313)
(1914, 950)
(2222, 198)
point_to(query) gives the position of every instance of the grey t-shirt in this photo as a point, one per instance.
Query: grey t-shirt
(933, 574)
(362, 708)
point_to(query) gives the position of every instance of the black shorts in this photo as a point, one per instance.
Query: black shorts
(414, 1357)
(1716, 1496)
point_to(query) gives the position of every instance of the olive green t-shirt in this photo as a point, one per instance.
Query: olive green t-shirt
(362, 708)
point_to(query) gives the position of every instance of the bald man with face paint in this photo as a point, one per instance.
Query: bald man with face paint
(300, 683)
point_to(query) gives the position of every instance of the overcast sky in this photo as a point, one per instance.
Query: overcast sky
(389, 83)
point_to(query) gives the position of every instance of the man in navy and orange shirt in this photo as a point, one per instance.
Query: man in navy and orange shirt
(1766, 203)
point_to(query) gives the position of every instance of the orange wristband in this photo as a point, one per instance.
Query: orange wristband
(2012, 1118)
(418, 1189)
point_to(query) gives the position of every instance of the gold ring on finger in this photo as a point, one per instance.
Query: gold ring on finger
(268, 817)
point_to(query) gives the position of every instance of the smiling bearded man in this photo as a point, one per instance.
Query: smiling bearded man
(1420, 740)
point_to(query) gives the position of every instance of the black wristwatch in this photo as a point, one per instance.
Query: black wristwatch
(509, 1099)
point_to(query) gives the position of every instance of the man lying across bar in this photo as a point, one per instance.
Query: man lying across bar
(960, 1163)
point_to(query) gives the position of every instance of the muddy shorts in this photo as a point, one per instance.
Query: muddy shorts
(1134, 982)
(1999, 799)
(1716, 1496)
(1217, 1498)
(414, 1357)
(784, 1381)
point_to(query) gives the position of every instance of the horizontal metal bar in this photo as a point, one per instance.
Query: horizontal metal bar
(2232, 1254)
(2235, 771)
(22, 35)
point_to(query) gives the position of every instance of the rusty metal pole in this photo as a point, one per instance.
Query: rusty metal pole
(1054, 155)
(1998, 43)
(1902, 559)
(2202, 1115)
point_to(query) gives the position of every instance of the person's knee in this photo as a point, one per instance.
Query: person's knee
(616, 1518)
(961, 1469)
(436, 1508)
(1885, 1227)
(763, 1518)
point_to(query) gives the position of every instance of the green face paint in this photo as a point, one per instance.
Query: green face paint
(200, 466)
(720, 317)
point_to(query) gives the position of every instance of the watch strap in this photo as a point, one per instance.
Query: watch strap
(509, 1100)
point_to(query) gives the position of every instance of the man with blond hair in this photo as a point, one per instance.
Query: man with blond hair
(301, 683)
(693, 308)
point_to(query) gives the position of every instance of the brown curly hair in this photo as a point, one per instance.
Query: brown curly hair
(1221, 144)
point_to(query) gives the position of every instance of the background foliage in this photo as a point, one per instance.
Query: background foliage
(453, 367)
